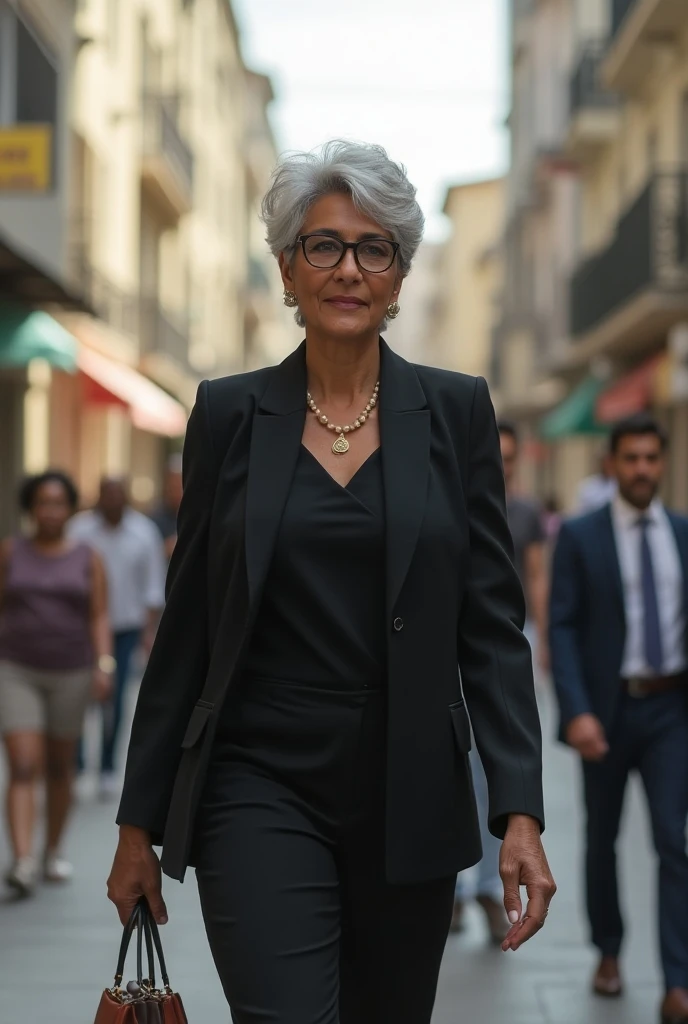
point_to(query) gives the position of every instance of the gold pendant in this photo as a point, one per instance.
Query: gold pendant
(341, 445)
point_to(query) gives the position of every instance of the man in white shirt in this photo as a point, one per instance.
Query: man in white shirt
(618, 642)
(598, 490)
(132, 550)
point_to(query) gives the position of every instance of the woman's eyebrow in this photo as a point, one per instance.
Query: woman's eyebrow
(337, 234)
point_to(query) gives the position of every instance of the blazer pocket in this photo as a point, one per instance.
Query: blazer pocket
(462, 726)
(197, 723)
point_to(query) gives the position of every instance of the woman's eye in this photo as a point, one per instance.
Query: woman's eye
(324, 247)
(374, 250)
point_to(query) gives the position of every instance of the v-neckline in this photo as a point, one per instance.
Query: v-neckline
(343, 487)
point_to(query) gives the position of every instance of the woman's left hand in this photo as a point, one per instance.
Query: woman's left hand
(523, 862)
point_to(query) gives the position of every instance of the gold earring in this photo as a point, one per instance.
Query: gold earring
(393, 310)
(290, 299)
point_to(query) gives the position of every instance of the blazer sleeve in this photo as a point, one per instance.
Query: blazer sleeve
(565, 610)
(494, 655)
(179, 659)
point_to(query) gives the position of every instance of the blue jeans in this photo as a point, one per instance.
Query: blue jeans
(124, 645)
(488, 882)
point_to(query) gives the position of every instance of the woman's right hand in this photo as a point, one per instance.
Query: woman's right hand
(136, 873)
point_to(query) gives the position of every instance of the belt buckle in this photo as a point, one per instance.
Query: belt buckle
(637, 687)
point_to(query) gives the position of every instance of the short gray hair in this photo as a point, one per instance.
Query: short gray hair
(379, 188)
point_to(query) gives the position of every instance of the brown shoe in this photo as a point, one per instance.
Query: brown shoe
(607, 979)
(675, 1007)
(497, 921)
(457, 921)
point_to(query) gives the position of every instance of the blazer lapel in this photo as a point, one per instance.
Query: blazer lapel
(275, 444)
(610, 555)
(405, 449)
(681, 535)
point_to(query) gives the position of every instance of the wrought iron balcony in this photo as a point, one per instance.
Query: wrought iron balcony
(586, 87)
(594, 112)
(114, 305)
(649, 252)
(163, 333)
(168, 162)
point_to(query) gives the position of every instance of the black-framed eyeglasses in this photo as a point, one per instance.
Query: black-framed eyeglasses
(374, 255)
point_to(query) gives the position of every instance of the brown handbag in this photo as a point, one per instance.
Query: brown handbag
(141, 1002)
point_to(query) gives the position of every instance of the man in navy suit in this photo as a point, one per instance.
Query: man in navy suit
(619, 650)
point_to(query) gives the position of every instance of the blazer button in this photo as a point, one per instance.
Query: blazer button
(398, 625)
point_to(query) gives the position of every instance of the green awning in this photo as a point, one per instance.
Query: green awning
(31, 334)
(576, 414)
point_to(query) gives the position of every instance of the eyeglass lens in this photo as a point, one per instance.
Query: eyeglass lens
(374, 254)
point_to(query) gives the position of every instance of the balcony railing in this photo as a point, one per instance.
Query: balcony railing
(649, 250)
(114, 305)
(620, 9)
(168, 159)
(163, 332)
(586, 88)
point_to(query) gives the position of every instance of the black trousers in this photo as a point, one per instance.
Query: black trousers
(651, 737)
(290, 854)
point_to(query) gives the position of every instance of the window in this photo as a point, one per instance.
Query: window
(36, 95)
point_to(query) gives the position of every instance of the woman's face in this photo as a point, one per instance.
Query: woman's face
(343, 301)
(51, 509)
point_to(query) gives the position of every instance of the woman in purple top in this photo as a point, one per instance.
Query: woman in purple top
(55, 654)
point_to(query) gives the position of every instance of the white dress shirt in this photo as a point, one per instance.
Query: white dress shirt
(668, 574)
(594, 492)
(135, 564)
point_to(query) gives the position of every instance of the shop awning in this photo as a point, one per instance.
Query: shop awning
(113, 383)
(21, 278)
(27, 335)
(576, 414)
(631, 393)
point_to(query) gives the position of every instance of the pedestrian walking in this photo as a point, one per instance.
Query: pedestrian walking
(132, 552)
(165, 515)
(301, 736)
(55, 654)
(528, 536)
(597, 490)
(618, 639)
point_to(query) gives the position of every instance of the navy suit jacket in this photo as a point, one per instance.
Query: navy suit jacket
(587, 622)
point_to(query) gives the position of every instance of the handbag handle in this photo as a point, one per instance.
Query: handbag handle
(152, 932)
(139, 920)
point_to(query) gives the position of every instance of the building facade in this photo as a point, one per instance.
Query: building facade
(37, 59)
(593, 317)
(144, 233)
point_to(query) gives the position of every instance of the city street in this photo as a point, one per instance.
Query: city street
(58, 951)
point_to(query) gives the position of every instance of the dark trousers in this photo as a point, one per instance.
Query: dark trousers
(123, 646)
(290, 853)
(650, 736)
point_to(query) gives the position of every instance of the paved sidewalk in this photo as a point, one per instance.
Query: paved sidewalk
(58, 951)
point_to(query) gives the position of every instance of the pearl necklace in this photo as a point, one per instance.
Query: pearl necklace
(341, 444)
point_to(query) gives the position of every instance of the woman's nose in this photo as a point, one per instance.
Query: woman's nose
(348, 268)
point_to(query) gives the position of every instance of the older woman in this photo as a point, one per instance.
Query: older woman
(301, 736)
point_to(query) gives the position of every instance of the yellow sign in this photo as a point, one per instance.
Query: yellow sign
(25, 158)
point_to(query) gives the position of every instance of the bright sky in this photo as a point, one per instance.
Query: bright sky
(425, 78)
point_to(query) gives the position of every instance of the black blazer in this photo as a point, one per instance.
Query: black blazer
(453, 599)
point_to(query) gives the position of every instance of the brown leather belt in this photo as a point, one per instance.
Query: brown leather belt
(639, 686)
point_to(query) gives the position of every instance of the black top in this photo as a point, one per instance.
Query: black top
(322, 615)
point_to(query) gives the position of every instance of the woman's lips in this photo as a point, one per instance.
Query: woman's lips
(342, 303)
